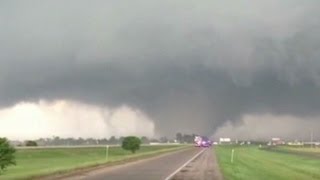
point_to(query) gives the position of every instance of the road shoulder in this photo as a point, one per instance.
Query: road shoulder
(91, 171)
(203, 167)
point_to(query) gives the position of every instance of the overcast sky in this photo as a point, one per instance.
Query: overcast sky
(154, 68)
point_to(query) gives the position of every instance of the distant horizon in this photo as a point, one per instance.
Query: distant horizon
(234, 139)
(247, 69)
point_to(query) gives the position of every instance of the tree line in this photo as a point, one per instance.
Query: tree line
(131, 143)
(59, 141)
(185, 138)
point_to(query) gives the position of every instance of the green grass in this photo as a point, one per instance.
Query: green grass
(306, 150)
(250, 162)
(37, 162)
(300, 151)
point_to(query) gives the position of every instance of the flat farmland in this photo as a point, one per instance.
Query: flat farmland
(38, 162)
(303, 151)
(250, 162)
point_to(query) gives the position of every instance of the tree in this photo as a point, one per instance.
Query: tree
(56, 140)
(187, 138)
(131, 143)
(113, 140)
(163, 139)
(7, 157)
(179, 137)
(145, 140)
(121, 139)
(31, 143)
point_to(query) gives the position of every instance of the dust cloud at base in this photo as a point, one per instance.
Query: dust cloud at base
(267, 126)
(72, 119)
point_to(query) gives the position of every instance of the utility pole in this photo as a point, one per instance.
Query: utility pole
(232, 154)
(311, 138)
(107, 153)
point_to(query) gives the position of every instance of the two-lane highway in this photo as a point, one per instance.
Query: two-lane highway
(159, 167)
(191, 163)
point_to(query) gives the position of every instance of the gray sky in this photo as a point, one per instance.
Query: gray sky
(185, 66)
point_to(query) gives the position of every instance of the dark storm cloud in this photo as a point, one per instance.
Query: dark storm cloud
(189, 65)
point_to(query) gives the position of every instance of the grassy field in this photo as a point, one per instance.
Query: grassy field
(35, 162)
(304, 151)
(250, 162)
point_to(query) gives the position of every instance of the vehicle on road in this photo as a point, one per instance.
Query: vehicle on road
(202, 141)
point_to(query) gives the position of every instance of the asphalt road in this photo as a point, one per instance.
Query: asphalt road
(188, 164)
(204, 167)
(159, 167)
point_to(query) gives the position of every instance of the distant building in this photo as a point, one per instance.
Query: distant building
(295, 143)
(225, 141)
(276, 141)
(312, 143)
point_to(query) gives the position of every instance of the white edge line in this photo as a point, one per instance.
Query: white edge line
(184, 165)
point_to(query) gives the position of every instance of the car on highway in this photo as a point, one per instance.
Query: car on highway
(202, 141)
